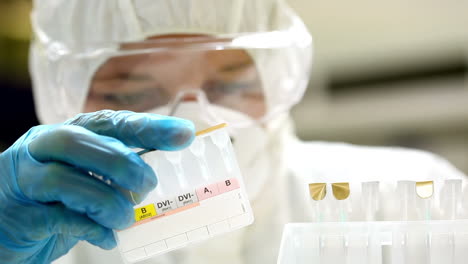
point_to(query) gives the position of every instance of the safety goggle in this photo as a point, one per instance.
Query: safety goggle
(259, 75)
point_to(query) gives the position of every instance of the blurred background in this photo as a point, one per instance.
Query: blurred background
(389, 73)
(16, 103)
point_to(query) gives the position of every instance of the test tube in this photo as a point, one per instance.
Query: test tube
(334, 247)
(450, 199)
(163, 185)
(425, 191)
(341, 192)
(370, 200)
(464, 204)
(317, 192)
(407, 200)
(198, 149)
(174, 157)
(221, 140)
(154, 160)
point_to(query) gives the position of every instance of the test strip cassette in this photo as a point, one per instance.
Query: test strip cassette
(200, 194)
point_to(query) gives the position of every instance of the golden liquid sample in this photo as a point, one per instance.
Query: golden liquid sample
(318, 191)
(425, 189)
(341, 190)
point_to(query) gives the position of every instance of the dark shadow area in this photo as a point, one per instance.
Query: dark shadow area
(16, 100)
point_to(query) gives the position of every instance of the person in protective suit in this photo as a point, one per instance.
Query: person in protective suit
(112, 75)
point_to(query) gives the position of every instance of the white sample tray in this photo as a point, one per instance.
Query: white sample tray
(200, 194)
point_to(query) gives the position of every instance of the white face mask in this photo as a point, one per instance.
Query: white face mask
(249, 143)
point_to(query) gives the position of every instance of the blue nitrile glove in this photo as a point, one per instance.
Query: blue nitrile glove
(48, 201)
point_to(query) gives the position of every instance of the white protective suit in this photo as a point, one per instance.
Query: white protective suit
(275, 164)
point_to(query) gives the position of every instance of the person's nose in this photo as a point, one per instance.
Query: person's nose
(188, 95)
(188, 84)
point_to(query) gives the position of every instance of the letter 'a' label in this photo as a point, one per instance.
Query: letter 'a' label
(207, 191)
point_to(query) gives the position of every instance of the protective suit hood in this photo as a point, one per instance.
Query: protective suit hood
(74, 37)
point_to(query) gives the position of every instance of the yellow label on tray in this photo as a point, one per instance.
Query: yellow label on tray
(145, 212)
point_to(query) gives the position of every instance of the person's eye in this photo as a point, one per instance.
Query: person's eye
(229, 88)
(139, 100)
(124, 98)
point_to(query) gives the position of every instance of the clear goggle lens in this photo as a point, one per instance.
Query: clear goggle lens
(148, 80)
(257, 75)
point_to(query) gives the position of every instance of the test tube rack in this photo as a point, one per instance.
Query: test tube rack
(376, 242)
(403, 222)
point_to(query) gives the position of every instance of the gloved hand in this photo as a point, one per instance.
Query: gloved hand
(48, 201)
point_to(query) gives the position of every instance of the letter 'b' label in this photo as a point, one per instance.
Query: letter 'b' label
(228, 185)
(145, 212)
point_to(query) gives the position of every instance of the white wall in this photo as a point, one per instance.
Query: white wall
(355, 39)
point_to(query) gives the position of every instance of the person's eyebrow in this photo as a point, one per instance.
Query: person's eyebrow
(236, 66)
(132, 76)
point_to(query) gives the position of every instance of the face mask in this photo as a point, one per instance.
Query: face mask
(249, 143)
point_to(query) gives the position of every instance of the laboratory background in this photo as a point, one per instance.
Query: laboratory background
(391, 73)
